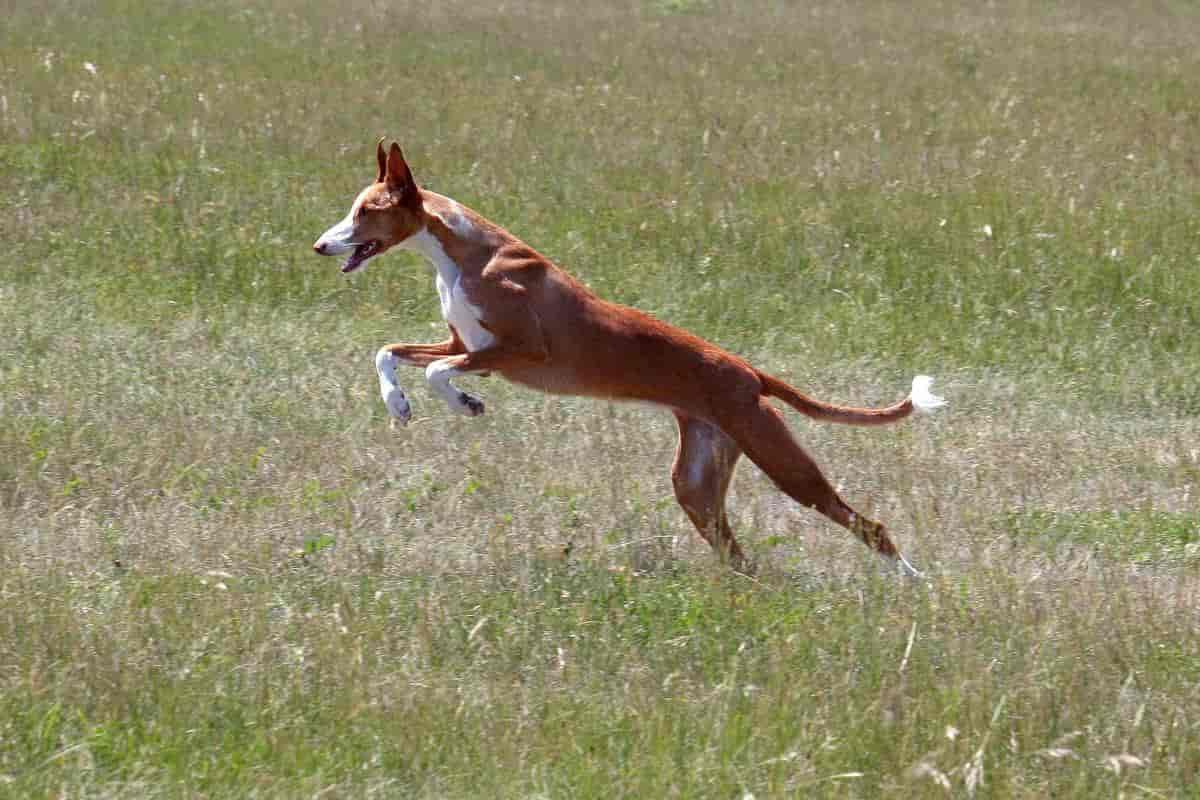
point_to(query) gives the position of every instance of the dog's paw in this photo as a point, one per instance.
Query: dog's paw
(469, 405)
(397, 405)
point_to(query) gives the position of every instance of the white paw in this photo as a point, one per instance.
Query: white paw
(397, 404)
(393, 396)
(467, 405)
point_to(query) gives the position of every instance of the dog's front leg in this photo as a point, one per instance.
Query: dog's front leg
(417, 355)
(393, 396)
(492, 359)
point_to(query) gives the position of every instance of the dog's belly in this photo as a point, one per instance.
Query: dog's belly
(630, 356)
(584, 383)
(550, 380)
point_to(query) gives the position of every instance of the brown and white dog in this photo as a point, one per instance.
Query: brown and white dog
(512, 311)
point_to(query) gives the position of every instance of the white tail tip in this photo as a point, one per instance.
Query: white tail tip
(922, 398)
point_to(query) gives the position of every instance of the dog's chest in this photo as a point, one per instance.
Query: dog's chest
(458, 311)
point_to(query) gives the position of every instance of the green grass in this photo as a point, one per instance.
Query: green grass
(222, 575)
(575, 681)
(1148, 537)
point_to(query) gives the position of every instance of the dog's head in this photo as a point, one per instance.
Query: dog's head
(384, 214)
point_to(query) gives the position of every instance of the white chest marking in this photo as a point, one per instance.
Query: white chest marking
(456, 309)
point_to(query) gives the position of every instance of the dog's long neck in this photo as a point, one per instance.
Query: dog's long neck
(455, 239)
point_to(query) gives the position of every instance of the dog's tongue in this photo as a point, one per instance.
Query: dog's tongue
(356, 258)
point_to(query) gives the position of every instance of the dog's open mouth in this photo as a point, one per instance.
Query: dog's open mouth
(360, 255)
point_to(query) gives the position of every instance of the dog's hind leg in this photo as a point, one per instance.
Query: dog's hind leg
(761, 433)
(701, 473)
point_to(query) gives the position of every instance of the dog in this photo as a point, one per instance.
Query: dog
(512, 311)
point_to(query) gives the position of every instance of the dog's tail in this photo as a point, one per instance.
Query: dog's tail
(920, 399)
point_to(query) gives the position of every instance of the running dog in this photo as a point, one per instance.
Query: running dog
(514, 312)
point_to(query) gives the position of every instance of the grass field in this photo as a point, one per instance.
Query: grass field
(222, 575)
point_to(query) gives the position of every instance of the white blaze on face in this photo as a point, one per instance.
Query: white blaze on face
(340, 238)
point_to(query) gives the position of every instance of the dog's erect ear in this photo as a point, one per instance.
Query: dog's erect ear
(398, 176)
(381, 159)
